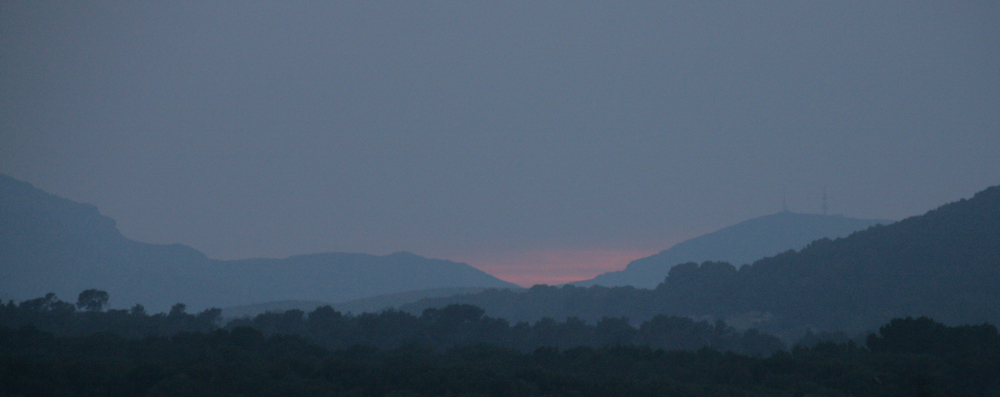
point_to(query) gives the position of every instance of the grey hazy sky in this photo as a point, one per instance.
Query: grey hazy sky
(540, 141)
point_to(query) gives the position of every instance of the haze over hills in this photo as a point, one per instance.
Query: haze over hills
(743, 243)
(51, 244)
(944, 264)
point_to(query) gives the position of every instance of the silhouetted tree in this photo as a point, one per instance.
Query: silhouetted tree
(92, 300)
(177, 310)
(40, 304)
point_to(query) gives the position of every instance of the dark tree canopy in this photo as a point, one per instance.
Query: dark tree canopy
(92, 300)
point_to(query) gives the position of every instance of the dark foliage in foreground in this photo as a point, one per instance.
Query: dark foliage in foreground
(436, 328)
(458, 325)
(909, 357)
(50, 314)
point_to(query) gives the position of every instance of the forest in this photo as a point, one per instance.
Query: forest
(49, 347)
(437, 329)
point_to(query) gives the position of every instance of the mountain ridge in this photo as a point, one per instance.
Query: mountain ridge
(52, 244)
(943, 264)
(742, 243)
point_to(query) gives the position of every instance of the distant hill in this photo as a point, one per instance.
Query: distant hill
(944, 264)
(51, 244)
(378, 303)
(743, 243)
(252, 310)
(373, 304)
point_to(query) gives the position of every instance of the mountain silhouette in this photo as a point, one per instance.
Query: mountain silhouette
(944, 264)
(51, 244)
(742, 243)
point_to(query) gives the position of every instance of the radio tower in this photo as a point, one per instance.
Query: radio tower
(824, 200)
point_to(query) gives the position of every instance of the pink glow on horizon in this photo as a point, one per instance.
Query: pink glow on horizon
(553, 267)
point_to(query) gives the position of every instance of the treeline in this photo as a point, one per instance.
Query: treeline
(61, 318)
(458, 325)
(908, 357)
(438, 329)
(691, 290)
(540, 301)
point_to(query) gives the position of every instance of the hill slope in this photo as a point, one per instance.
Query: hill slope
(51, 244)
(944, 264)
(742, 243)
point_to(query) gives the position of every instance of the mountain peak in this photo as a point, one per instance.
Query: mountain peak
(739, 244)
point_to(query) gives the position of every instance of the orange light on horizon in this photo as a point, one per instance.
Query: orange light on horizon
(553, 267)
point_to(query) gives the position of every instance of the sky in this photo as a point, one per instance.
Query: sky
(542, 142)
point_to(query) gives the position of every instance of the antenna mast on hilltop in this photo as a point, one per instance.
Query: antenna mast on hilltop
(824, 200)
(784, 201)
